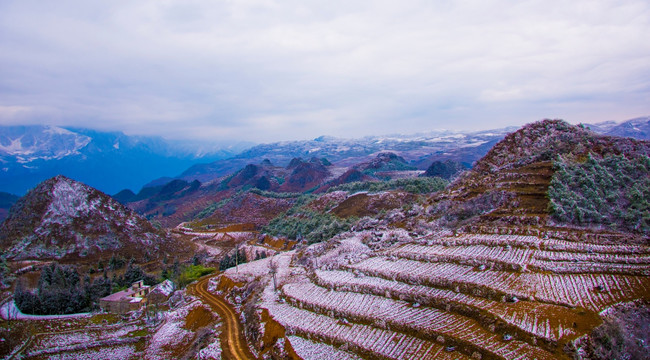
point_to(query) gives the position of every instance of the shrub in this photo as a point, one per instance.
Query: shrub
(421, 185)
(307, 224)
(611, 191)
(192, 273)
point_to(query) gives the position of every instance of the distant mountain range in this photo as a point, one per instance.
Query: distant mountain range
(113, 161)
(419, 150)
(109, 161)
(638, 128)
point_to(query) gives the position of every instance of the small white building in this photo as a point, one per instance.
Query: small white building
(127, 300)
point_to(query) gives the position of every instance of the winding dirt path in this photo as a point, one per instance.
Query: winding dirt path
(232, 340)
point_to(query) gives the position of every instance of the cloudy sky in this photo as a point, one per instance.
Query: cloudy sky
(266, 70)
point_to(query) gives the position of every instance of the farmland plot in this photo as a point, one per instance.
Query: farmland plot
(562, 289)
(543, 321)
(469, 255)
(364, 339)
(400, 315)
(467, 296)
(312, 350)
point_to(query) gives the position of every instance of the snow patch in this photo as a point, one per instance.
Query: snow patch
(10, 309)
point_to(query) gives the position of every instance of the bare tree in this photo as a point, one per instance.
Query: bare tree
(273, 265)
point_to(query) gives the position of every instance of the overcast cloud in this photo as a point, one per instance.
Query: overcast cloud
(265, 70)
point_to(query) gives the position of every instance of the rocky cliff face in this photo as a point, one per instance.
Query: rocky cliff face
(62, 218)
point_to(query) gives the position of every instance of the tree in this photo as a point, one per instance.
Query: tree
(273, 266)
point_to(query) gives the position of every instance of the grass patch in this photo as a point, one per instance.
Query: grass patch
(104, 319)
(138, 333)
(193, 273)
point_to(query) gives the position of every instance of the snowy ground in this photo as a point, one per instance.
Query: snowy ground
(10, 309)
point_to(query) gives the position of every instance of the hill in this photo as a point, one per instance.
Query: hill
(510, 184)
(63, 219)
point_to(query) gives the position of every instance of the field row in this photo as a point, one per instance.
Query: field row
(534, 242)
(591, 291)
(420, 321)
(524, 258)
(363, 339)
(545, 322)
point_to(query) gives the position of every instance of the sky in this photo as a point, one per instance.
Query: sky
(265, 70)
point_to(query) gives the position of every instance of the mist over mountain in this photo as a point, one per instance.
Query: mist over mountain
(109, 161)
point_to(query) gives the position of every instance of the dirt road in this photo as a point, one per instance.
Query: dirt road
(232, 340)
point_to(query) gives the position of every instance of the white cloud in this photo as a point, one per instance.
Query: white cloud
(267, 70)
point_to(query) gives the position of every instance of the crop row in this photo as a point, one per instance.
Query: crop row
(534, 242)
(591, 291)
(363, 339)
(523, 258)
(545, 322)
(423, 321)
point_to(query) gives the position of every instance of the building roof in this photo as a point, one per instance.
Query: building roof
(125, 295)
(119, 296)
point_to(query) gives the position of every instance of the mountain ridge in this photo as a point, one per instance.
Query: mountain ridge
(62, 218)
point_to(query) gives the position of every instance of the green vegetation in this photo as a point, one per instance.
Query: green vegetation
(211, 208)
(274, 195)
(612, 191)
(105, 318)
(307, 224)
(5, 274)
(60, 291)
(192, 273)
(421, 185)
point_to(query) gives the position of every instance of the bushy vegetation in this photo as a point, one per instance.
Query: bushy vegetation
(421, 185)
(182, 275)
(622, 337)
(192, 273)
(309, 225)
(132, 274)
(5, 274)
(275, 195)
(613, 191)
(232, 260)
(60, 291)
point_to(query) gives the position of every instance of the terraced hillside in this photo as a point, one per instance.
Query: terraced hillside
(389, 295)
(509, 185)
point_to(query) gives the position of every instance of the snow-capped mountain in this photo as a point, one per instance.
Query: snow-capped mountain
(29, 143)
(638, 128)
(109, 161)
